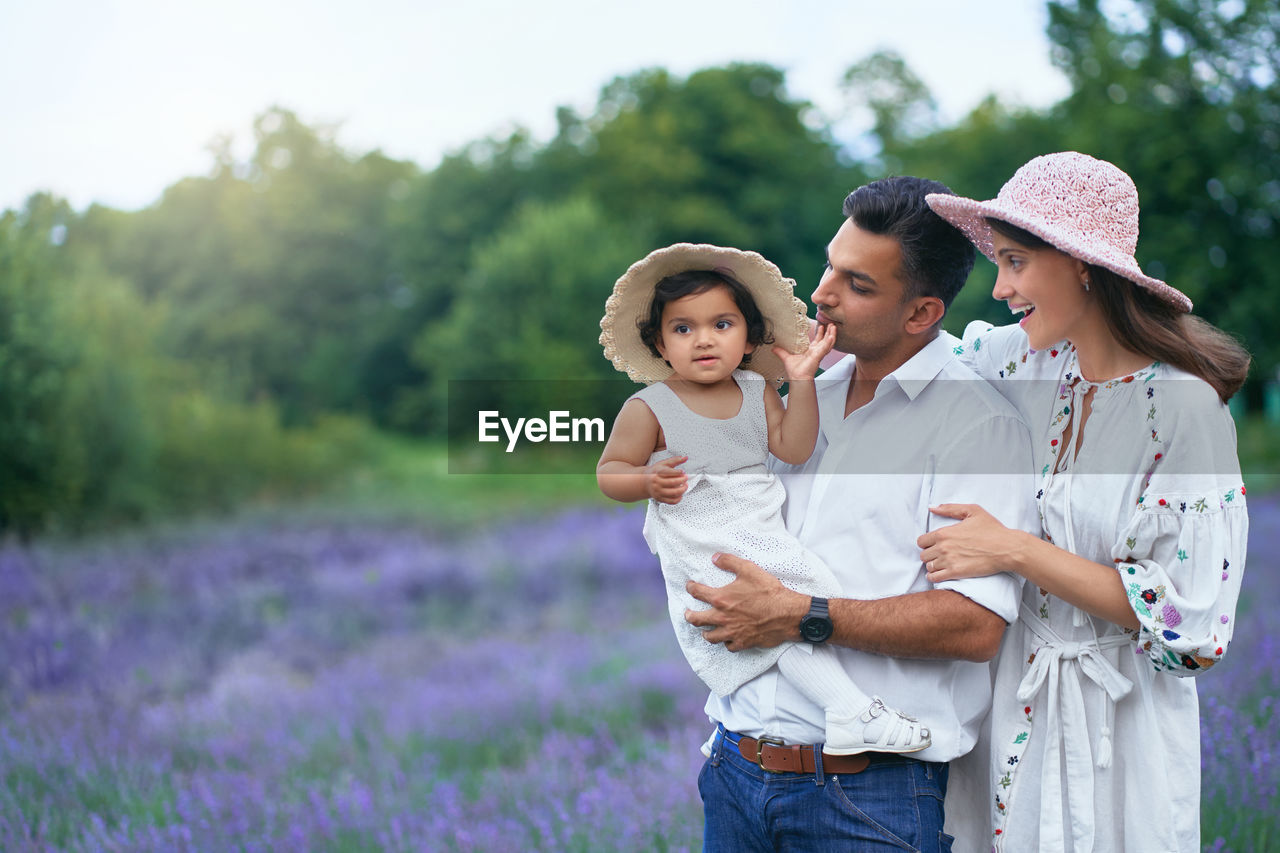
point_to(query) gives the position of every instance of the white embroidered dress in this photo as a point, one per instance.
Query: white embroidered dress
(1095, 739)
(733, 504)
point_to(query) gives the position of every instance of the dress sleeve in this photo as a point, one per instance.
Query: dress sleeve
(990, 351)
(1181, 557)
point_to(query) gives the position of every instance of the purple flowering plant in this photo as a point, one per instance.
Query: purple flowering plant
(317, 685)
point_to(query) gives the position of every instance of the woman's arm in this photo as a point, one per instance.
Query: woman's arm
(980, 545)
(623, 473)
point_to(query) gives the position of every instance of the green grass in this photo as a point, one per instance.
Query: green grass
(408, 479)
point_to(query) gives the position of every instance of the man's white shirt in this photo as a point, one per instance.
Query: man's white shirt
(934, 433)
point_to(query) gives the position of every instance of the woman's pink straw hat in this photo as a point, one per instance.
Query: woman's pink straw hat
(1085, 207)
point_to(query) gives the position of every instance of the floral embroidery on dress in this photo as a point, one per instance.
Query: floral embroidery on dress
(1147, 602)
(1004, 777)
(1199, 505)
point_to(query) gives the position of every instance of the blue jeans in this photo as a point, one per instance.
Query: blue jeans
(895, 804)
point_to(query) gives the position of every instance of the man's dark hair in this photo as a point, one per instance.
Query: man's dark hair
(936, 256)
(690, 282)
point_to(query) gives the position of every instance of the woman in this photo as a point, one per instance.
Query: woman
(1094, 734)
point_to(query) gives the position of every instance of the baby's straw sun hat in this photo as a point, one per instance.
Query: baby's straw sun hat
(1083, 206)
(785, 315)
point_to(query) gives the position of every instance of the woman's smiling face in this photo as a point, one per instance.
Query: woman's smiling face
(1046, 286)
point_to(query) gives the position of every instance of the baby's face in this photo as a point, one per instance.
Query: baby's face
(704, 336)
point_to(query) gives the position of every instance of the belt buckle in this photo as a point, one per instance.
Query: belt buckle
(760, 744)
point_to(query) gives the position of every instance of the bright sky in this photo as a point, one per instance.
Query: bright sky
(113, 100)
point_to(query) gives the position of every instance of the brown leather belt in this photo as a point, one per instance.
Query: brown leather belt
(777, 757)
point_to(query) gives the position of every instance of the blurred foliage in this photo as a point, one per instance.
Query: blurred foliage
(97, 424)
(512, 248)
(901, 106)
(217, 334)
(278, 275)
(530, 306)
(38, 467)
(1182, 95)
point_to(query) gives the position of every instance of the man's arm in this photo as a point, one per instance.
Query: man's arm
(756, 611)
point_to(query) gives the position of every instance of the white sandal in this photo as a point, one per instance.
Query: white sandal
(898, 732)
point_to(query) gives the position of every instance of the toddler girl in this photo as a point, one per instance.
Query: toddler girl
(687, 320)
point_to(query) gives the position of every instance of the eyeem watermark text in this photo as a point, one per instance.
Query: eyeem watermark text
(558, 427)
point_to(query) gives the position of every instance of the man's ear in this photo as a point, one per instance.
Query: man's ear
(926, 312)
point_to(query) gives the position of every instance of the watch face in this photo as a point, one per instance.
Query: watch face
(815, 629)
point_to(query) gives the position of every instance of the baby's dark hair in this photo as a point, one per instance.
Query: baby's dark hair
(692, 282)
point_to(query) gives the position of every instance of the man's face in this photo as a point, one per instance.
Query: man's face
(861, 293)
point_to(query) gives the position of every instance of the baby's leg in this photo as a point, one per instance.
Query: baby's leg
(856, 722)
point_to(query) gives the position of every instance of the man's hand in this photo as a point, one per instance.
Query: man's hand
(753, 611)
(665, 483)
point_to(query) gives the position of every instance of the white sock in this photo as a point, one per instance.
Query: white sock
(823, 681)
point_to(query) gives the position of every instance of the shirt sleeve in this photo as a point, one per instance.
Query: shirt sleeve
(1182, 555)
(1005, 490)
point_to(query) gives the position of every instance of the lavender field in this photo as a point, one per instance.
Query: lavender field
(292, 685)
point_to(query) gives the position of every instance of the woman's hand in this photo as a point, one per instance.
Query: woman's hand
(666, 483)
(976, 547)
(803, 365)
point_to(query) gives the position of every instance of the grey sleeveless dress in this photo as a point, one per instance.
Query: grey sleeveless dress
(734, 505)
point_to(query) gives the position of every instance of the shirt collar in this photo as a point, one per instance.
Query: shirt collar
(914, 374)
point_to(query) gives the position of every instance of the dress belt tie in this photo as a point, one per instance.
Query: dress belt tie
(1066, 730)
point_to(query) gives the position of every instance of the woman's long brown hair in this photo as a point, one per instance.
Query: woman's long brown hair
(1147, 324)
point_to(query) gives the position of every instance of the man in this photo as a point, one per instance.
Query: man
(904, 427)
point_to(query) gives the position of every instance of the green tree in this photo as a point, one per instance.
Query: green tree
(469, 197)
(1183, 95)
(41, 464)
(724, 156)
(278, 275)
(901, 106)
(531, 303)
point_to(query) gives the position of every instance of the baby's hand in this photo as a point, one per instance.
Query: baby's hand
(666, 483)
(803, 365)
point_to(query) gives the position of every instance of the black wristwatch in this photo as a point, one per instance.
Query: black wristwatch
(816, 626)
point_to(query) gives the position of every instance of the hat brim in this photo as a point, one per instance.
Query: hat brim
(971, 216)
(785, 315)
